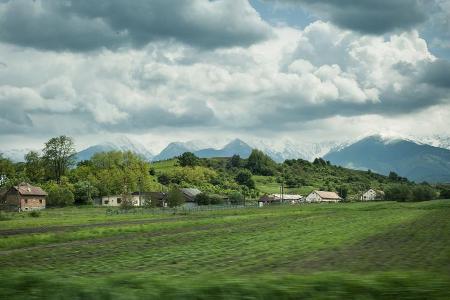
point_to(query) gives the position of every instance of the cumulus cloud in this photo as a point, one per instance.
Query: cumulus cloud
(83, 25)
(291, 80)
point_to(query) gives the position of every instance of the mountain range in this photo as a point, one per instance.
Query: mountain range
(409, 157)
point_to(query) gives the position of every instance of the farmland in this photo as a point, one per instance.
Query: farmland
(365, 249)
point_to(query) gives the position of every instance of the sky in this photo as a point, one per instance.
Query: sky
(160, 71)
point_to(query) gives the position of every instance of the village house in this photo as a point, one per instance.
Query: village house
(23, 197)
(372, 195)
(189, 196)
(117, 200)
(323, 196)
(137, 199)
(280, 198)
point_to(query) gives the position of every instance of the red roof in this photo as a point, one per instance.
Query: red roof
(26, 189)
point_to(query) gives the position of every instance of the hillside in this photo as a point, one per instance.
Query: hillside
(300, 177)
(417, 162)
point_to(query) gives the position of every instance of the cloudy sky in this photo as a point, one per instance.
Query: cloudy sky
(161, 71)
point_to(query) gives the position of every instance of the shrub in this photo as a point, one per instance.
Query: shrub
(244, 177)
(398, 192)
(34, 214)
(127, 202)
(423, 193)
(175, 198)
(60, 196)
(236, 198)
(202, 199)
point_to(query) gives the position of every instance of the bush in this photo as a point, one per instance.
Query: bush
(60, 196)
(175, 198)
(127, 202)
(236, 198)
(423, 193)
(202, 199)
(398, 192)
(244, 177)
(34, 214)
(216, 199)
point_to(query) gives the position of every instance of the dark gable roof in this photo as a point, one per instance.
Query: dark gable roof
(190, 192)
(26, 189)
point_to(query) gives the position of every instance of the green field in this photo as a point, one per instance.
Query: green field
(383, 250)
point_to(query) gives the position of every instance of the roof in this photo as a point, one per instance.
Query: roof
(288, 196)
(277, 197)
(27, 189)
(379, 192)
(328, 195)
(190, 192)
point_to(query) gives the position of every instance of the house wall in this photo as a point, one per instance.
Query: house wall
(14, 201)
(369, 195)
(32, 203)
(313, 197)
(116, 200)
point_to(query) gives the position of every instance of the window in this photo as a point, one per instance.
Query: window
(106, 202)
(40, 201)
(119, 200)
(26, 200)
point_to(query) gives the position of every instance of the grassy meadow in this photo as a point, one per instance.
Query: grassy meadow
(380, 250)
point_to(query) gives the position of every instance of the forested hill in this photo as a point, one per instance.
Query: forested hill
(259, 175)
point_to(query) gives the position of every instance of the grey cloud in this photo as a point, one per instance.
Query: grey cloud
(84, 25)
(368, 16)
(437, 73)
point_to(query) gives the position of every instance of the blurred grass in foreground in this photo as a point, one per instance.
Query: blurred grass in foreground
(316, 286)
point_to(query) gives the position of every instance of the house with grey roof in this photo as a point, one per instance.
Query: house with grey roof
(323, 196)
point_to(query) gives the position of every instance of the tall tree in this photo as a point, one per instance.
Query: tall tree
(7, 169)
(59, 155)
(34, 168)
(188, 159)
(260, 163)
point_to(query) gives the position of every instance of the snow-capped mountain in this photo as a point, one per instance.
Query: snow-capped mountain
(236, 146)
(440, 141)
(120, 144)
(416, 161)
(287, 149)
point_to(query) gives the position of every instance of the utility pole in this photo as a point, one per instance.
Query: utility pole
(140, 187)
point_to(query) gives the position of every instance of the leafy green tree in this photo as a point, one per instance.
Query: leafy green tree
(203, 199)
(188, 159)
(423, 193)
(84, 192)
(127, 201)
(234, 162)
(59, 155)
(444, 192)
(343, 191)
(175, 198)
(164, 179)
(398, 192)
(34, 167)
(244, 177)
(7, 170)
(261, 164)
(59, 196)
(236, 198)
